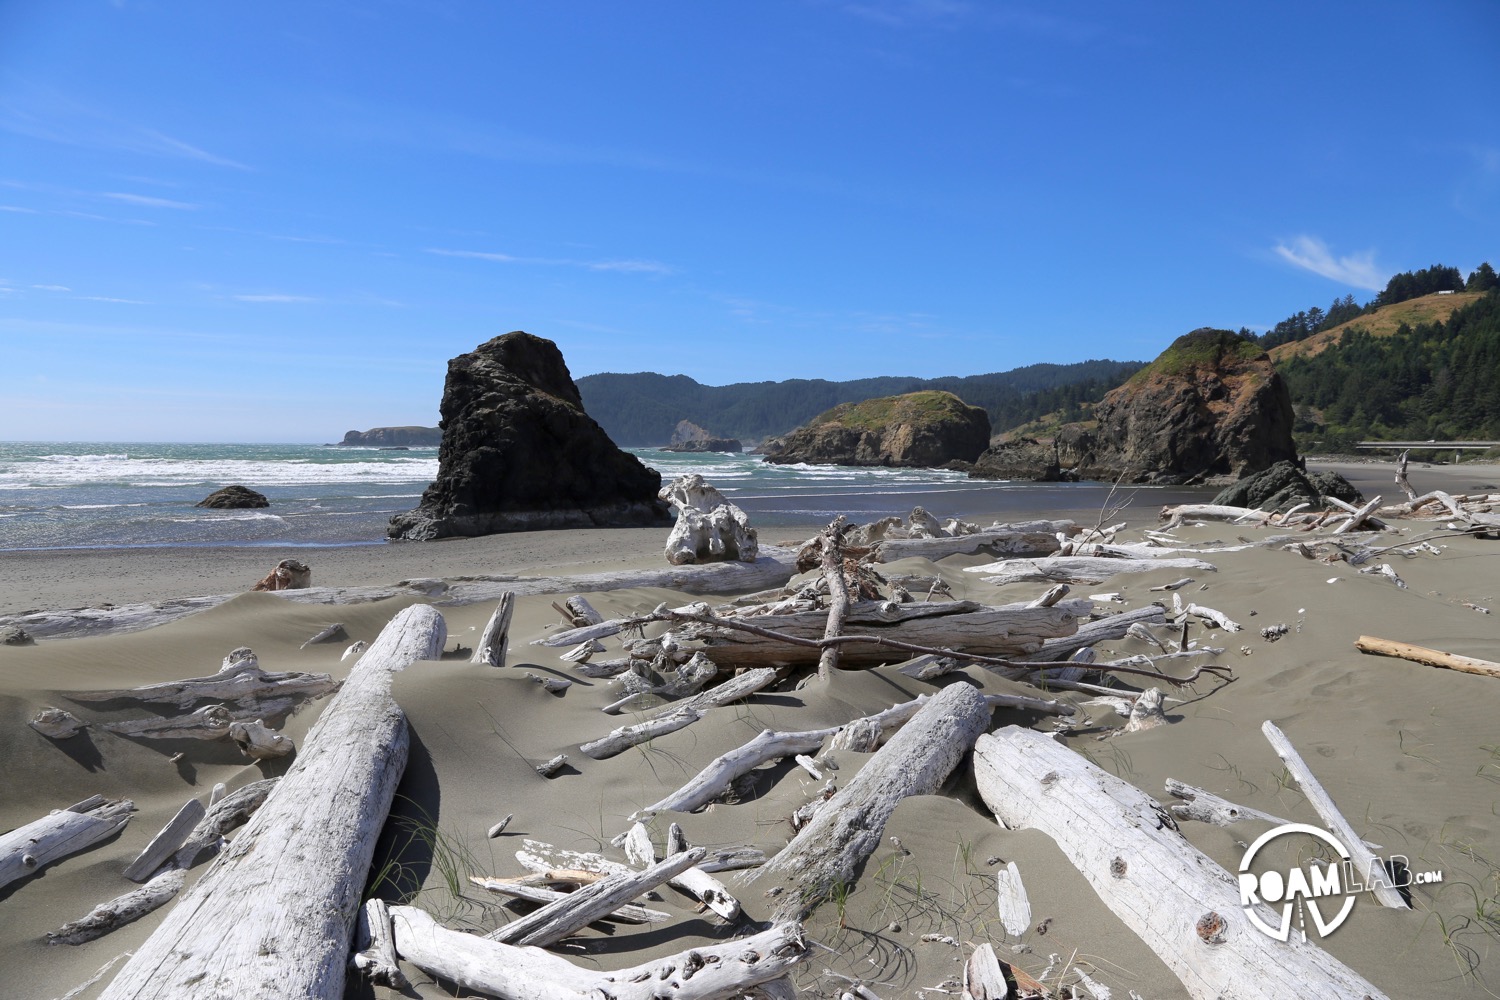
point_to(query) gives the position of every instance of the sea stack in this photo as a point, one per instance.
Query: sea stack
(520, 454)
(920, 429)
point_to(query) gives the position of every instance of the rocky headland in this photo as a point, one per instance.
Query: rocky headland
(520, 454)
(919, 429)
(689, 437)
(393, 437)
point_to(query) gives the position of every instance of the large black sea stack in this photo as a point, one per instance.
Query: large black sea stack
(520, 454)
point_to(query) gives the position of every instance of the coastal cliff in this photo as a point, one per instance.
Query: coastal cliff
(927, 428)
(393, 437)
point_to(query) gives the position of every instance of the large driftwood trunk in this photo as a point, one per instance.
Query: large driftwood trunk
(706, 973)
(1077, 569)
(274, 915)
(1181, 903)
(32, 847)
(834, 845)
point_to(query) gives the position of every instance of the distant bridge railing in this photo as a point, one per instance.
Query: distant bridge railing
(1426, 445)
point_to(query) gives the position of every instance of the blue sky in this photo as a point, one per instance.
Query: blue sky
(277, 221)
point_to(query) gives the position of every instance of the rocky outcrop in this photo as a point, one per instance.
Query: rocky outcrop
(1285, 485)
(1211, 406)
(689, 437)
(393, 437)
(520, 454)
(920, 429)
(233, 498)
(709, 528)
(1023, 458)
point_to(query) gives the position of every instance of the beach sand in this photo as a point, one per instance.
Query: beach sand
(1407, 751)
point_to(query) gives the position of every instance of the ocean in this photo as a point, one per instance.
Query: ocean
(103, 495)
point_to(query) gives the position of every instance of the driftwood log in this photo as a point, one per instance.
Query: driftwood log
(1018, 540)
(834, 845)
(1430, 657)
(490, 649)
(242, 683)
(274, 916)
(30, 848)
(167, 841)
(1177, 899)
(1077, 569)
(713, 972)
(121, 910)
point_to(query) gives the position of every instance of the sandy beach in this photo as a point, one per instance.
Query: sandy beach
(1407, 751)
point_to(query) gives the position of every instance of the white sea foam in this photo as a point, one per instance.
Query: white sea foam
(90, 470)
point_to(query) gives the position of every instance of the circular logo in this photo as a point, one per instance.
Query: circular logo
(1298, 890)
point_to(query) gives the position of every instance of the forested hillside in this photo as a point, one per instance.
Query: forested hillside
(1438, 379)
(642, 409)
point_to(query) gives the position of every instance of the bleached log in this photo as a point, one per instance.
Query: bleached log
(30, 848)
(1430, 657)
(581, 652)
(996, 541)
(713, 972)
(211, 722)
(1094, 632)
(625, 737)
(244, 684)
(1367, 518)
(1146, 712)
(603, 668)
(551, 685)
(228, 813)
(1211, 512)
(537, 856)
(1219, 618)
(1051, 596)
(983, 977)
(354, 649)
(1357, 517)
(1014, 904)
(838, 593)
(259, 743)
(1177, 899)
(293, 875)
(562, 917)
(490, 649)
(1364, 859)
(168, 840)
(695, 881)
(56, 724)
(551, 766)
(1206, 807)
(121, 910)
(1385, 570)
(217, 793)
(742, 685)
(1077, 569)
(629, 913)
(916, 761)
(499, 827)
(710, 783)
(375, 946)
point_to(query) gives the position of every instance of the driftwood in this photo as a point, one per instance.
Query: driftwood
(1364, 859)
(1177, 899)
(228, 813)
(984, 979)
(1430, 657)
(121, 910)
(1212, 512)
(1094, 632)
(167, 841)
(259, 743)
(30, 848)
(327, 634)
(711, 782)
(629, 913)
(56, 724)
(917, 760)
(1024, 541)
(1206, 807)
(838, 595)
(575, 910)
(211, 722)
(695, 881)
(375, 946)
(293, 875)
(622, 739)
(713, 972)
(490, 649)
(1077, 569)
(551, 766)
(242, 683)
(708, 527)
(1014, 904)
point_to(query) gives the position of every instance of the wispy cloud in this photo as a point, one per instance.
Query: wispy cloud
(147, 201)
(110, 298)
(275, 297)
(624, 266)
(18, 208)
(52, 288)
(1312, 254)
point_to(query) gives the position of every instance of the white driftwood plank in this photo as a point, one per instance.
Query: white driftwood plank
(1176, 898)
(694, 881)
(1007, 541)
(562, 917)
(622, 739)
(714, 972)
(242, 682)
(917, 760)
(1364, 859)
(1095, 632)
(1015, 905)
(630, 913)
(166, 842)
(30, 848)
(121, 910)
(490, 649)
(229, 812)
(273, 917)
(375, 946)
(1077, 569)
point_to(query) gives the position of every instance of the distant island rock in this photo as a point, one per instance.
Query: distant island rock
(689, 437)
(1211, 406)
(920, 429)
(234, 498)
(519, 453)
(393, 437)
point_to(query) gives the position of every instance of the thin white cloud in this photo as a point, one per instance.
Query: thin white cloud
(1312, 254)
(52, 288)
(147, 200)
(18, 208)
(176, 147)
(627, 266)
(274, 297)
(110, 298)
